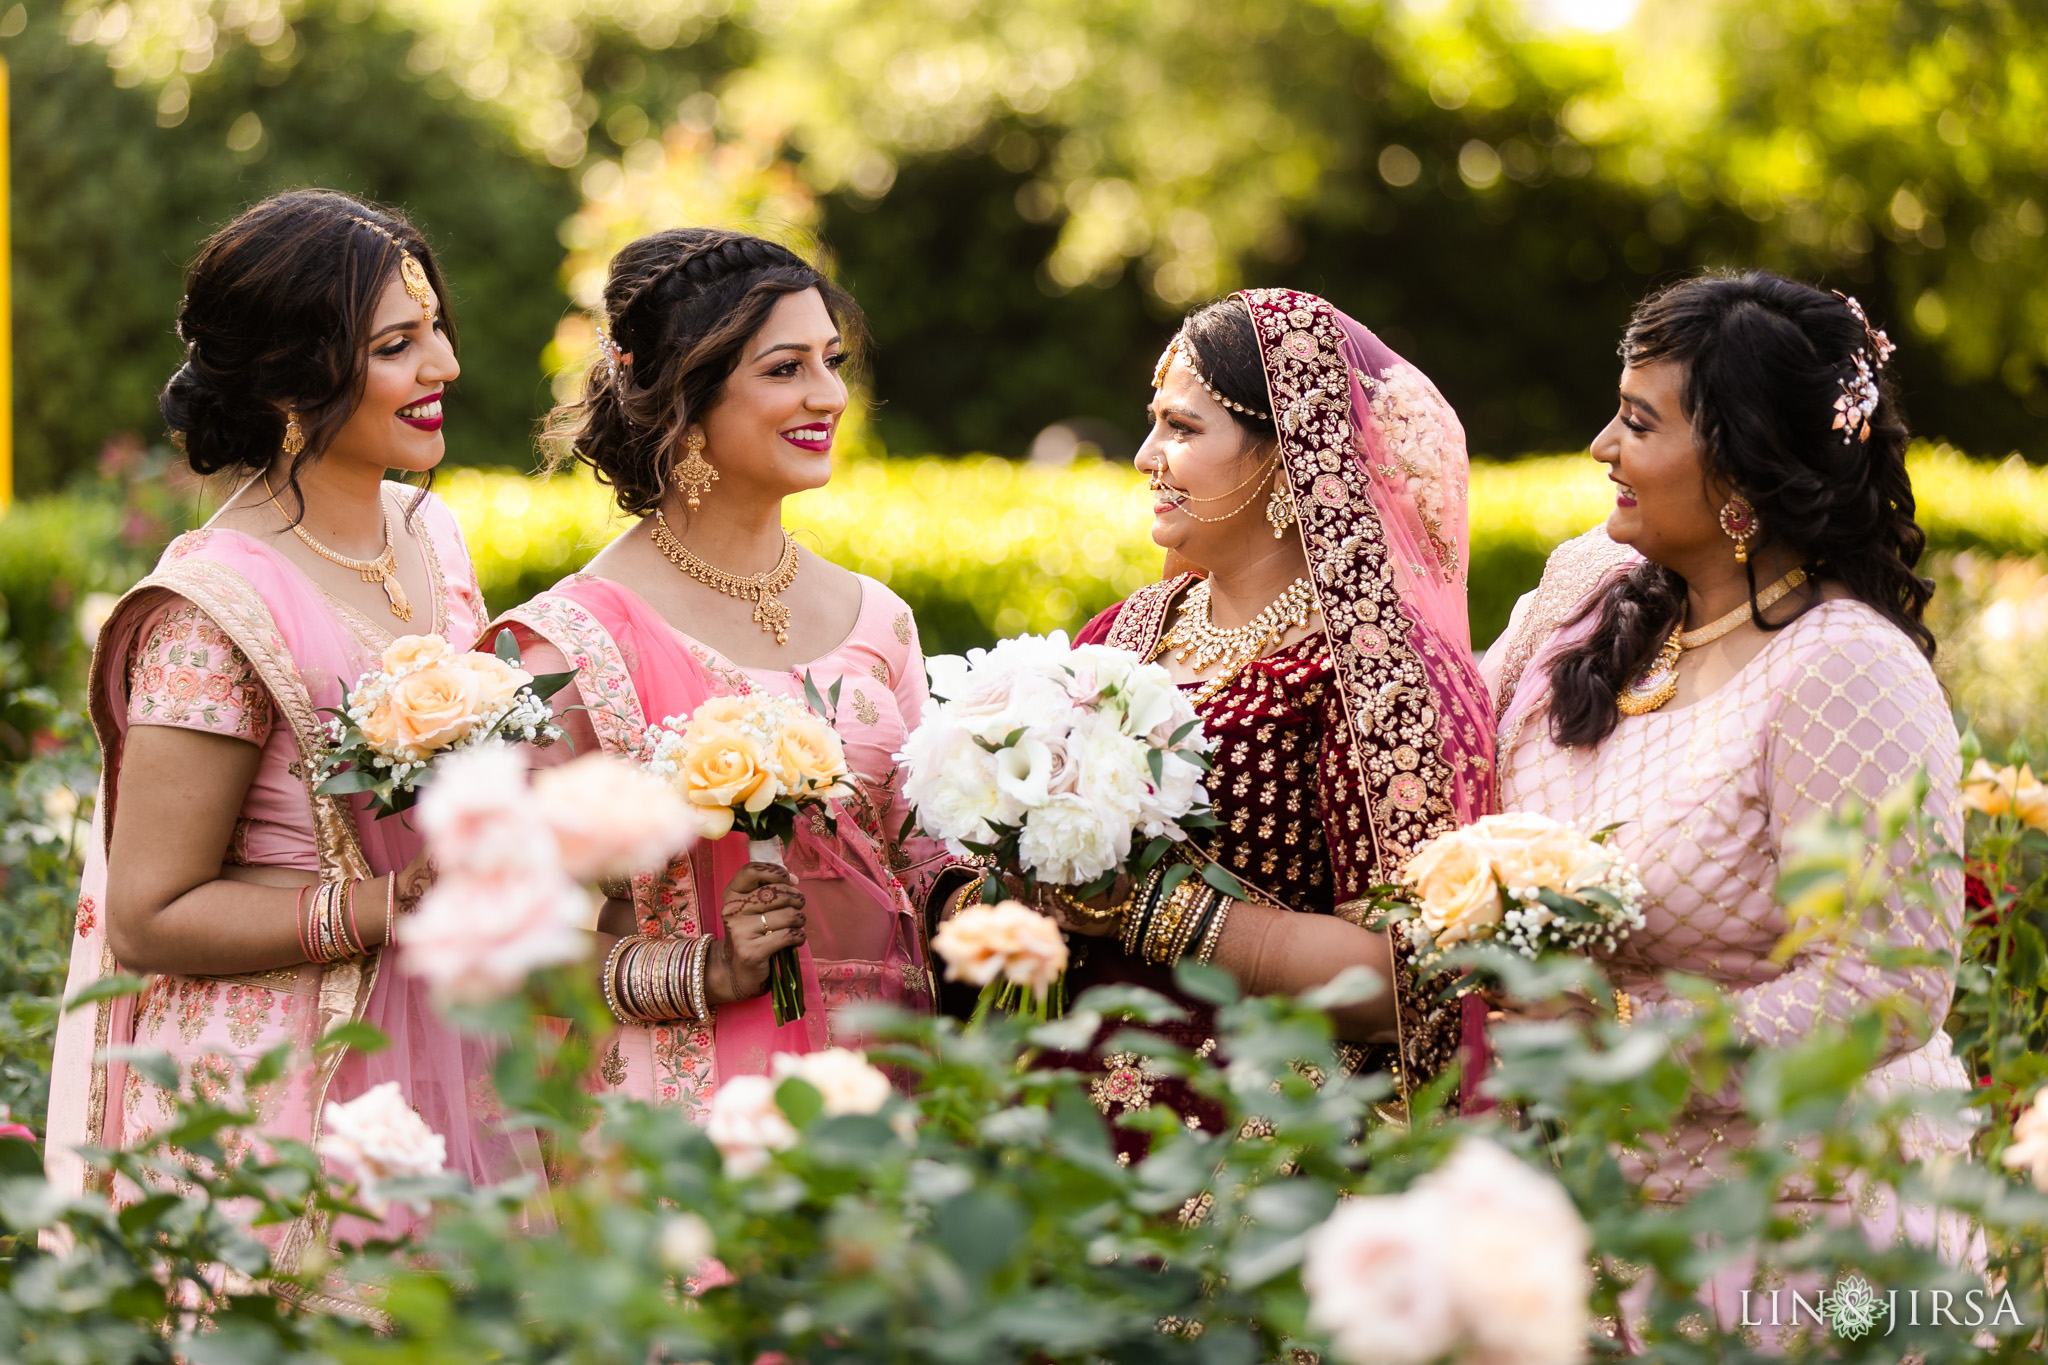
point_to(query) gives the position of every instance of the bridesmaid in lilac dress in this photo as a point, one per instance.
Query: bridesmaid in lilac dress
(1739, 647)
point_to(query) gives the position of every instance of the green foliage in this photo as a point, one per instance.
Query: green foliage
(109, 204)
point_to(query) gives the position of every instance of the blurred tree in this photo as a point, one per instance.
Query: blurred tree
(114, 187)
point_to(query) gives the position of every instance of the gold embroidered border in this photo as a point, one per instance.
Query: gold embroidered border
(1141, 623)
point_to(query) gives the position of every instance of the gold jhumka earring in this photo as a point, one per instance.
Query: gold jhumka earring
(294, 435)
(695, 474)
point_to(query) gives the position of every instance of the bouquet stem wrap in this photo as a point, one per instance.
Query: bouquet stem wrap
(785, 974)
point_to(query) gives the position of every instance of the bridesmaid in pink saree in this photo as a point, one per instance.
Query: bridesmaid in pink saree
(316, 357)
(717, 396)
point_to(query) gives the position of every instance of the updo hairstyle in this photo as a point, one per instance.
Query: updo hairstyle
(1226, 351)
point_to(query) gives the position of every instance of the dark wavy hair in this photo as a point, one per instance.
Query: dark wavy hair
(683, 303)
(1764, 360)
(277, 313)
(1226, 347)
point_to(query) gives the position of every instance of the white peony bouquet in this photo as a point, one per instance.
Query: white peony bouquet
(1053, 762)
(1523, 880)
(425, 699)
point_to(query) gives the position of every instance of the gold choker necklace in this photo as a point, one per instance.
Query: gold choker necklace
(382, 570)
(1658, 683)
(1194, 637)
(771, 615)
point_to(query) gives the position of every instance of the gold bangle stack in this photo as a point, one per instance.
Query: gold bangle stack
(329, 932)
(1083, 913)
(657, 980)
(1161, 928)
(1624, 1009)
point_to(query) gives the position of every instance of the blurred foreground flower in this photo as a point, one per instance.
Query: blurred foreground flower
(1483, 1258)
(2029, 1150)
(377, 1137)
(848, 1084)
(512, 857)
(746, 1125)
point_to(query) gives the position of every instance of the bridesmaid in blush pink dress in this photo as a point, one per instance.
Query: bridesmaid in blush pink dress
(717, 395)
(1739, 648)
(206, 687)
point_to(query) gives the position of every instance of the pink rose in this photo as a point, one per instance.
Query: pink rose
(480, 818)
(477, 938)
(611, 818)
(377, 1137)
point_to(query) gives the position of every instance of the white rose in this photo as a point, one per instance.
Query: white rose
(952, 782)
(1178, 791)
(745, 1125)
(1069, 841)
(1378, 1276)
(1111, 767)
(684, 1243)
(1520, 1276)
(476, 938)
(612, 818)
(843, 1077)
(377, 1137)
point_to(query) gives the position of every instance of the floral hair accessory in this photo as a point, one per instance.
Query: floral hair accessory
(614, 358)
(1179, 345)
(1859, 396)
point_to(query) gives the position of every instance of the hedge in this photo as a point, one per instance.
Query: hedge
(980, 546)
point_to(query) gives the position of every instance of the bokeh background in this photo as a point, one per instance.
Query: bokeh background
(1025, 195)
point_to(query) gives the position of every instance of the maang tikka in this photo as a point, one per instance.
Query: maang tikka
(695, 474)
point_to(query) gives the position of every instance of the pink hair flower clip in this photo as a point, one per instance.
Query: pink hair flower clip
(1858, 400)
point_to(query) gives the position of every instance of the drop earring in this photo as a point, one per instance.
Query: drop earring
(1280, 509)
(695, 474)
(294, 437)
(1738, 523)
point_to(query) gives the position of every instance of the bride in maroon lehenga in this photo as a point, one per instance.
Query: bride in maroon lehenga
(1350, 722)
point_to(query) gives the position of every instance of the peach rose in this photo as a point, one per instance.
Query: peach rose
(408, 651)
(497, 681)
(721, 766)
(1453, 878)
(1009, 939)
(612, 818)
(809, 754)
(1548, 854)
(429, 710)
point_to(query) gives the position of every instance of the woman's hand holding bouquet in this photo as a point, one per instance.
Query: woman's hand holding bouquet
(755, 763)
(426, 699)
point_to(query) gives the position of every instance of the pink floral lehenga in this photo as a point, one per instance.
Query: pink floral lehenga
(861, 886)
(229, 637)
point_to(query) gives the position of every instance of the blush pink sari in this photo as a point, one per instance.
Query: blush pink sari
(865, 942)
(304, 648)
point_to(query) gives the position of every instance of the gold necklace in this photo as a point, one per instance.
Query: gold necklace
(381, 570)
(769, 613)
(1658, 684)
(1195, 636)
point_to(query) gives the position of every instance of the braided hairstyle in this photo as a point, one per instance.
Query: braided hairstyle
(277, 314)
(1764, 358)
(683, 304)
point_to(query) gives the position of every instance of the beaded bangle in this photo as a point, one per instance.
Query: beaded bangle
(390, 907)
(1143, 905)
(1213, 935)
(1201, 907)
(317, 931)
(1169, 920)
(700, 1001)
(607, 979)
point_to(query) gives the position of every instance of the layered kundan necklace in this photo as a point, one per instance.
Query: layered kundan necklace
(761, 589)
(1658, 684)
(1198, 641)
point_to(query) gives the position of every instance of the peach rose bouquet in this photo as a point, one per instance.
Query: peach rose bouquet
(1017, 956)
(426, 699)
(754, 763)
(1525, 881)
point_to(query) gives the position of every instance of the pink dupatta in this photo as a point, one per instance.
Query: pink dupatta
(633, 668)
(304, 654)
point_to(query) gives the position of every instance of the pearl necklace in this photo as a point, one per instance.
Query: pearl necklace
(1194, 637)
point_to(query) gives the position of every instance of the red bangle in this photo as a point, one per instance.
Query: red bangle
(299, 922)
(348, 895)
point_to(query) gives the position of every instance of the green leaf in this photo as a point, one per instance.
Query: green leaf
(106, 988)
(1221, 877)
(980, 1229)
(1173, 741)
(799, 1101)
(545, 685)
(1156, 761)
(1206, 982)
(349, 783)
(816, 702)
(363, 1038)
(506, 646)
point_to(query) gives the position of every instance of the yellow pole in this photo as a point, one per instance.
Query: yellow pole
(6, 313)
